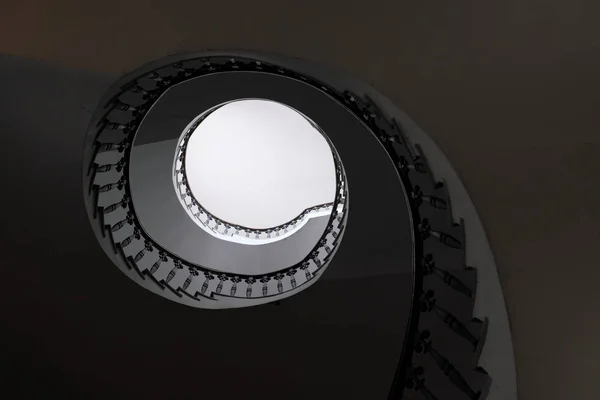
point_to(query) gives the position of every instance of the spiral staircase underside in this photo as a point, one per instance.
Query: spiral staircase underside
(372, 296)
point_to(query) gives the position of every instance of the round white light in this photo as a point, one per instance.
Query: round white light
(259, 164)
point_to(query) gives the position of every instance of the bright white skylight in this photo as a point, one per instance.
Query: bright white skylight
(259, 164)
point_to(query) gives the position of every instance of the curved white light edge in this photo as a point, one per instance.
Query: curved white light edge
(497, 356)
(233, 237)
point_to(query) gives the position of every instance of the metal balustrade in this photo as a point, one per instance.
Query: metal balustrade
(416, 382)
(199, 283)
(413, 169)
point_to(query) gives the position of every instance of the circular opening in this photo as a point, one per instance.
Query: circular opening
(259, 165)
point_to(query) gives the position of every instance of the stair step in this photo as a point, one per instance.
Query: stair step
(443, 388)
(448, 258)
(461, 304)
(110, 136)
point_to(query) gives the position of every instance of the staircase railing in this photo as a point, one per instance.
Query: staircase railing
(434, 286)
(444, 243)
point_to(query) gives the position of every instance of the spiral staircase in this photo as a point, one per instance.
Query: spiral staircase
(507, 90)
(439, 353)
